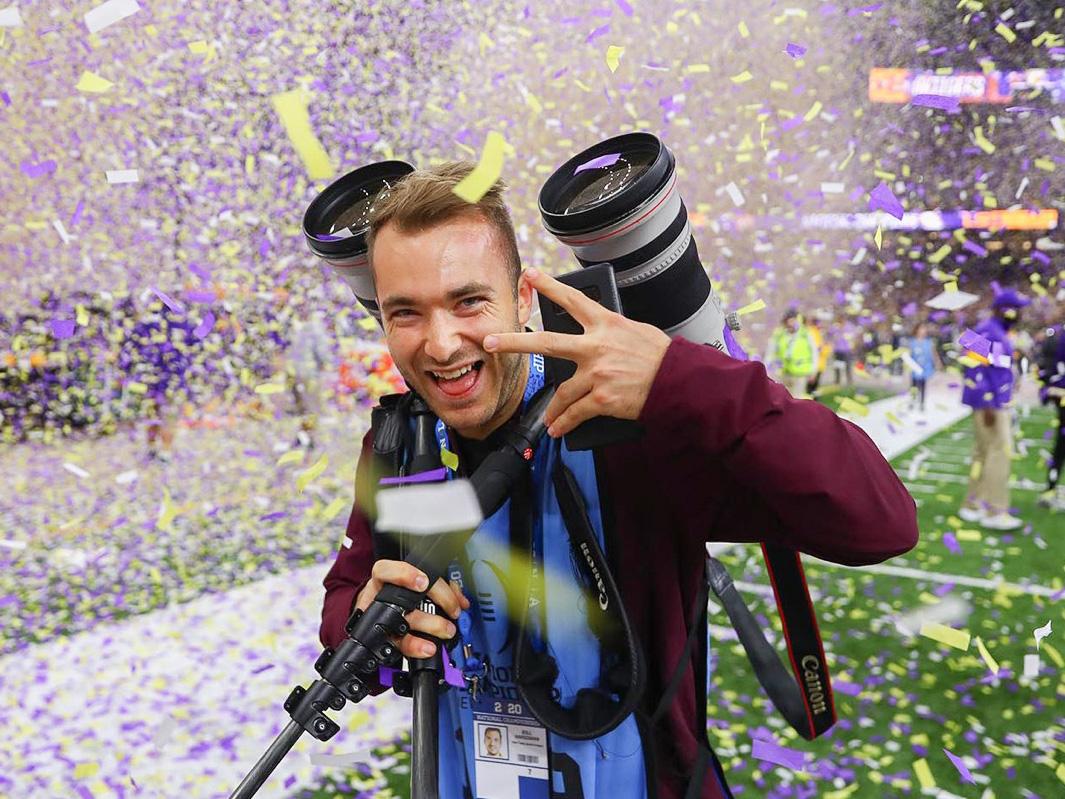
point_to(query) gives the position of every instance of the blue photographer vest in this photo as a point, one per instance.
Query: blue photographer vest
(607, 767)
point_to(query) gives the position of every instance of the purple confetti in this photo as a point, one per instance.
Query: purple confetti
(941, 102)
(795, 50)
(452, 675)
(780, 755)
(38, 170)
(204, 327)
(205, 297)
(881, 198)
(950, 541)
(974, 342)
(626, 9)
(6, 98)
(76, 217)
(432, 476)
(974, 248)
(846, 688)
(966, 775)
(602, 30)
(62, 328)
(169, 302)
(597, 163)
(909, 309)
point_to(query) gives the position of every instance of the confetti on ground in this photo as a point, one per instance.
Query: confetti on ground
(959, 639)
(107, 14)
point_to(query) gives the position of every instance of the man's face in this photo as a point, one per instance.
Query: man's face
(493, 742)
(792, 323)
(441, 291)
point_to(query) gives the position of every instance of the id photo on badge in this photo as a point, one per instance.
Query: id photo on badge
(493, 741)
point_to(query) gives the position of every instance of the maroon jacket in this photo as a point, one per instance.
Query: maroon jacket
(728, 455)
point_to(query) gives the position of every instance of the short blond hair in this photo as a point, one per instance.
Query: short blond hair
(425, 198)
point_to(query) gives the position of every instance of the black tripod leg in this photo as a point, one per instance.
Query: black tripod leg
(425, 744)
(268, 762)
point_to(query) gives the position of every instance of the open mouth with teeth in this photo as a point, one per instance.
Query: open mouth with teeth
(459, 382)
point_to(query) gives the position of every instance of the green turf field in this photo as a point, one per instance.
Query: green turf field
(902, 700)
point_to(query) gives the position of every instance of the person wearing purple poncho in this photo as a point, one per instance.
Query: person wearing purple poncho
(988, 389)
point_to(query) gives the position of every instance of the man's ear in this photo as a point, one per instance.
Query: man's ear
(525, 299)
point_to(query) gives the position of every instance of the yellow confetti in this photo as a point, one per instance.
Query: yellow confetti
(939, 254)
(815, 109)
(449, 458)
(959, 639)
(613, 57)
(533, 102)
(848, 405)
(295, 456)
(951, 286)
(981, 141)
(333, 508)
(1045, 164)
(291, 107)
(697, 69)
(81, 316)
(368, 323)
(1054, 655)
(757, 305)
(136, 387)
(976, 468)
(878, 237)
(306, 478)
(992, 664)
(893, 418)
(198, 47)
(269, 388)
(744, 31)
(1005, 32)
(924, 774)
(484, 42)
(83, 770)
(476, 184)
(167, 512)
(743, 77)
(93, 83)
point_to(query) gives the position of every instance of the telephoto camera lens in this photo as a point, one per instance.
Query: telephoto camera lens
(336, 223)
(617, 202)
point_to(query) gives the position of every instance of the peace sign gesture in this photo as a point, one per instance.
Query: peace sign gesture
(617, 358)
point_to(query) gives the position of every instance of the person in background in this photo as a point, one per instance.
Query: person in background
(1051, 365)
(822, 348)
(839, 337)
(988, 389)
(309, 359)
(793, 353)
(925, 363)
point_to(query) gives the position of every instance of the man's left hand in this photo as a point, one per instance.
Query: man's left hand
(617, 358)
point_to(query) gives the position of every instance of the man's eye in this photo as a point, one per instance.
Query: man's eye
(470, 302)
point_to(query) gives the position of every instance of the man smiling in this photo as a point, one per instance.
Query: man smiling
(728, 455)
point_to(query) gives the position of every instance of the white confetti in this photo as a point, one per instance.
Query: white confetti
(342, 761)
(109, 13)
(122, 176)
(62, 231)
(832, 188)
(77, 471)
(1059, 127)
(1041, 633)
(734, 193)
(10, 17)
(7, 544)
(1031, 665)
(126, 477)
(426, 509)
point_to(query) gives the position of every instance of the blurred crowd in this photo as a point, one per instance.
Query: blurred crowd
(90, 364)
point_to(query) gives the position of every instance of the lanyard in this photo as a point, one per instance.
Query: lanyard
(475, 666)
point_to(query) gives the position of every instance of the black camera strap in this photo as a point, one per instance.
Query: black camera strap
(595, 711)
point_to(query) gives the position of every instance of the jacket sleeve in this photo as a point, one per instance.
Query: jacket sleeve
(747, 462)
(350, 572)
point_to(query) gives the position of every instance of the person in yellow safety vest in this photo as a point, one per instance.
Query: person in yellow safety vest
(823, 350)
(793, 353)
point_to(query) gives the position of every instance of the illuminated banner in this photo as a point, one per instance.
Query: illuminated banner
(995, 220)
(903, 85)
